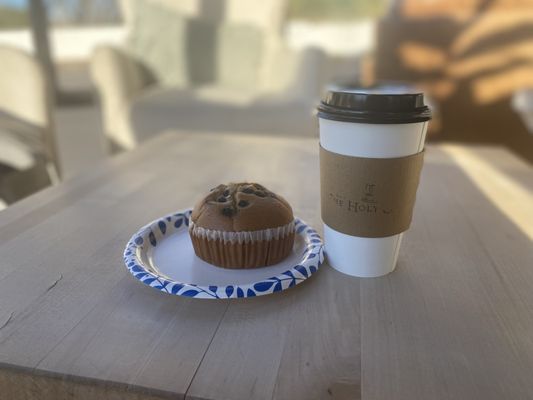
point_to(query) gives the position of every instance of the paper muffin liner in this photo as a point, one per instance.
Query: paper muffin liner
(238, 250)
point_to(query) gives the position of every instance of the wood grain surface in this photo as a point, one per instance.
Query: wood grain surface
(454, 321)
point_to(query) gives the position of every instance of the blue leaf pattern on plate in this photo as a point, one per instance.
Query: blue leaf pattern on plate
(176, 288)
(263, 286)
(141, 276)
(301, 269)
(151, 236)
(289, 273)
(162, 227)
(229, 291)
(300, 229)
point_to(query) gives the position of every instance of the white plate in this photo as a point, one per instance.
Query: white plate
(161, 256)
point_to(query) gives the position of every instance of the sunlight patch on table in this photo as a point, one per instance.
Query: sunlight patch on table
(512, 199)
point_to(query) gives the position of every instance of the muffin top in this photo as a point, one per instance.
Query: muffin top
(243, 206)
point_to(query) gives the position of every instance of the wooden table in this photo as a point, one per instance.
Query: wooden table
(454, 321)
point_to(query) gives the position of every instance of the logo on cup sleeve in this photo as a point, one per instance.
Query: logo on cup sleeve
(367, 203)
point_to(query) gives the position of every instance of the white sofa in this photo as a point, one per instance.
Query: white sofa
(28, 156)
(202, 74)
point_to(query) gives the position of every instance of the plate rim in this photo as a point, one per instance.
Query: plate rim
(151, 233)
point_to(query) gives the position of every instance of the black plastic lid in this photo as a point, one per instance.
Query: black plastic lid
(381, 104)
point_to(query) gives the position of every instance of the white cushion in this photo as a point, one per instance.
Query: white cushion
(14, 152)
(19, 142)
(174, 109)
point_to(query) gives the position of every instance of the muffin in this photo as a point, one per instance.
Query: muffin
(242, 225)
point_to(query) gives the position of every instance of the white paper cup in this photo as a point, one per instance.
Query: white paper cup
(367, 256)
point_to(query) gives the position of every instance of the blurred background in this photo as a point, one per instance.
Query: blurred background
(84, 80)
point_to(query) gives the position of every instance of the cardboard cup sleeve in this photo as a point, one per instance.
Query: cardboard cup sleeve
(368, 197)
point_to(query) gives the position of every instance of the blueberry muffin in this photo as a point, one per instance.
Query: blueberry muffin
(242, 225)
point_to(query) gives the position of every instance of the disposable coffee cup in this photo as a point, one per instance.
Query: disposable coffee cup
(371, 154)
